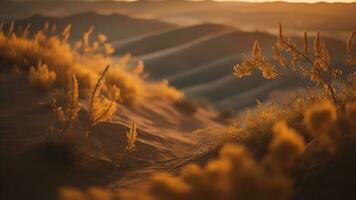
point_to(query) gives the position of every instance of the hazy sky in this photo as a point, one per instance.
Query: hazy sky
(307, 1)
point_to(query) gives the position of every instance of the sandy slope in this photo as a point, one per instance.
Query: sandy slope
(165, 142)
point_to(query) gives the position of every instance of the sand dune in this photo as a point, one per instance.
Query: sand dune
(170, 39)
(204, 73)
(164, 140)
(180, 48)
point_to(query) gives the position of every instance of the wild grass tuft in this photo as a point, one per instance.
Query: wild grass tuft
(84, 59)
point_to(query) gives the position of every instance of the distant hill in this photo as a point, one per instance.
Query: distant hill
(203, 52)
(170, 39)
(335, 19)
(115, 26)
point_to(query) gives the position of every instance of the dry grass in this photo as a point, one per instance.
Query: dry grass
(299, 63)
(86, 60)
(101, 108)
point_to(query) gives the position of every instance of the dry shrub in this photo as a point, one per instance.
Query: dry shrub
(41, 78)
(262, 118)
(299, 64)
(86, 61)
(131, 87)
(59, 144)
(255, 130)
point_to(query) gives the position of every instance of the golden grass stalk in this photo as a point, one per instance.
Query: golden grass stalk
(66, 33)
(317, 45)
(86, 36)
(131, 137)
(74, 108)
(100, 109)
(97, 88)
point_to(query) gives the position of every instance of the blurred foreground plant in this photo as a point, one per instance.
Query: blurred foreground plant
(237, 174)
